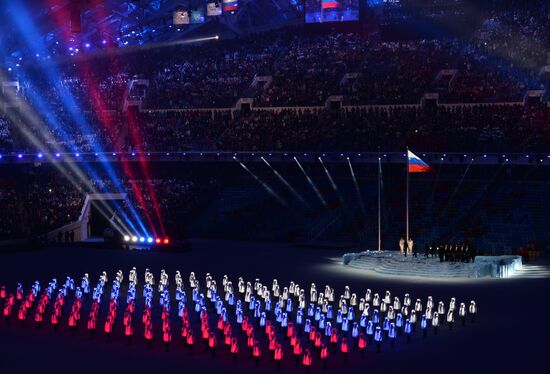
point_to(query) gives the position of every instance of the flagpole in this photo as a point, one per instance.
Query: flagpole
(407, 199)
(379, 207)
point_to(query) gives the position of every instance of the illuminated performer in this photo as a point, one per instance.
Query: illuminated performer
(473, 310)
(132, 276)
(378, 318)
(410, 245)
(402, 246)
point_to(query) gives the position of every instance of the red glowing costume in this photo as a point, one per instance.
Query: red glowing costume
(234, 346)
(212, 341)
(362, 341)
(256, 351)
(190, 339)
(324, 352)
(297, 350)
(148, 333)
(306, 359)
(344, 345)
(278, 354)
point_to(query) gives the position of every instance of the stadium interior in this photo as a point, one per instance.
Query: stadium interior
(398, 145)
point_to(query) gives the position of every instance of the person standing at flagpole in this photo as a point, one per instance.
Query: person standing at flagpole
(414, 165)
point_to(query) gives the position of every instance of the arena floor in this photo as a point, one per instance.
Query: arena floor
(510, 333)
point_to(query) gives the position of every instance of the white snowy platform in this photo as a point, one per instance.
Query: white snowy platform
(394, 264)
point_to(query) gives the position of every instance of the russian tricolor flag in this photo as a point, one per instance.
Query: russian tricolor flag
(416, 165)
(329, 4)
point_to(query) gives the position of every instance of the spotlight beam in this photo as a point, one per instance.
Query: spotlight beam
(264, 185)
(102, 210)
(30, 33)
(145, 168)
(332, 183)
(285, 182)
(29, 116)
(317, 192)
(133, 49)
(357, 189)
(109, 127)
(62, 18)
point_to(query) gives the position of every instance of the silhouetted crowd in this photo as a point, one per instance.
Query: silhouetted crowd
(47, 203)
(461, 129)
(498, 62)
(6, 141)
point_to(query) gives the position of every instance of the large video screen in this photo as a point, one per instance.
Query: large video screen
(320, 11)
(213, 8)
(230, 6)
(197, 15)
(180, 17)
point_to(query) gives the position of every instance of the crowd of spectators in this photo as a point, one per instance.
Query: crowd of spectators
(209, 76)
(47, 202)
(498, 62)
(480, 128)
(177, 131)
(6, 140)
(34, 206)
(311, 68)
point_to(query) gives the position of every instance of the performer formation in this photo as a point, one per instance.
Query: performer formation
(243, 320)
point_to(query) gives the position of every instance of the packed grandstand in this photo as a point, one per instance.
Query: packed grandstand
(294, 88)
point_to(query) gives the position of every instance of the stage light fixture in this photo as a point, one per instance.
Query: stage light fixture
(134, 239)
(57, 155)
(142, 240)
(166, 241)
(149, 240)
(126, 238)
(40, 155)
(157, 241)
(19, 156)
